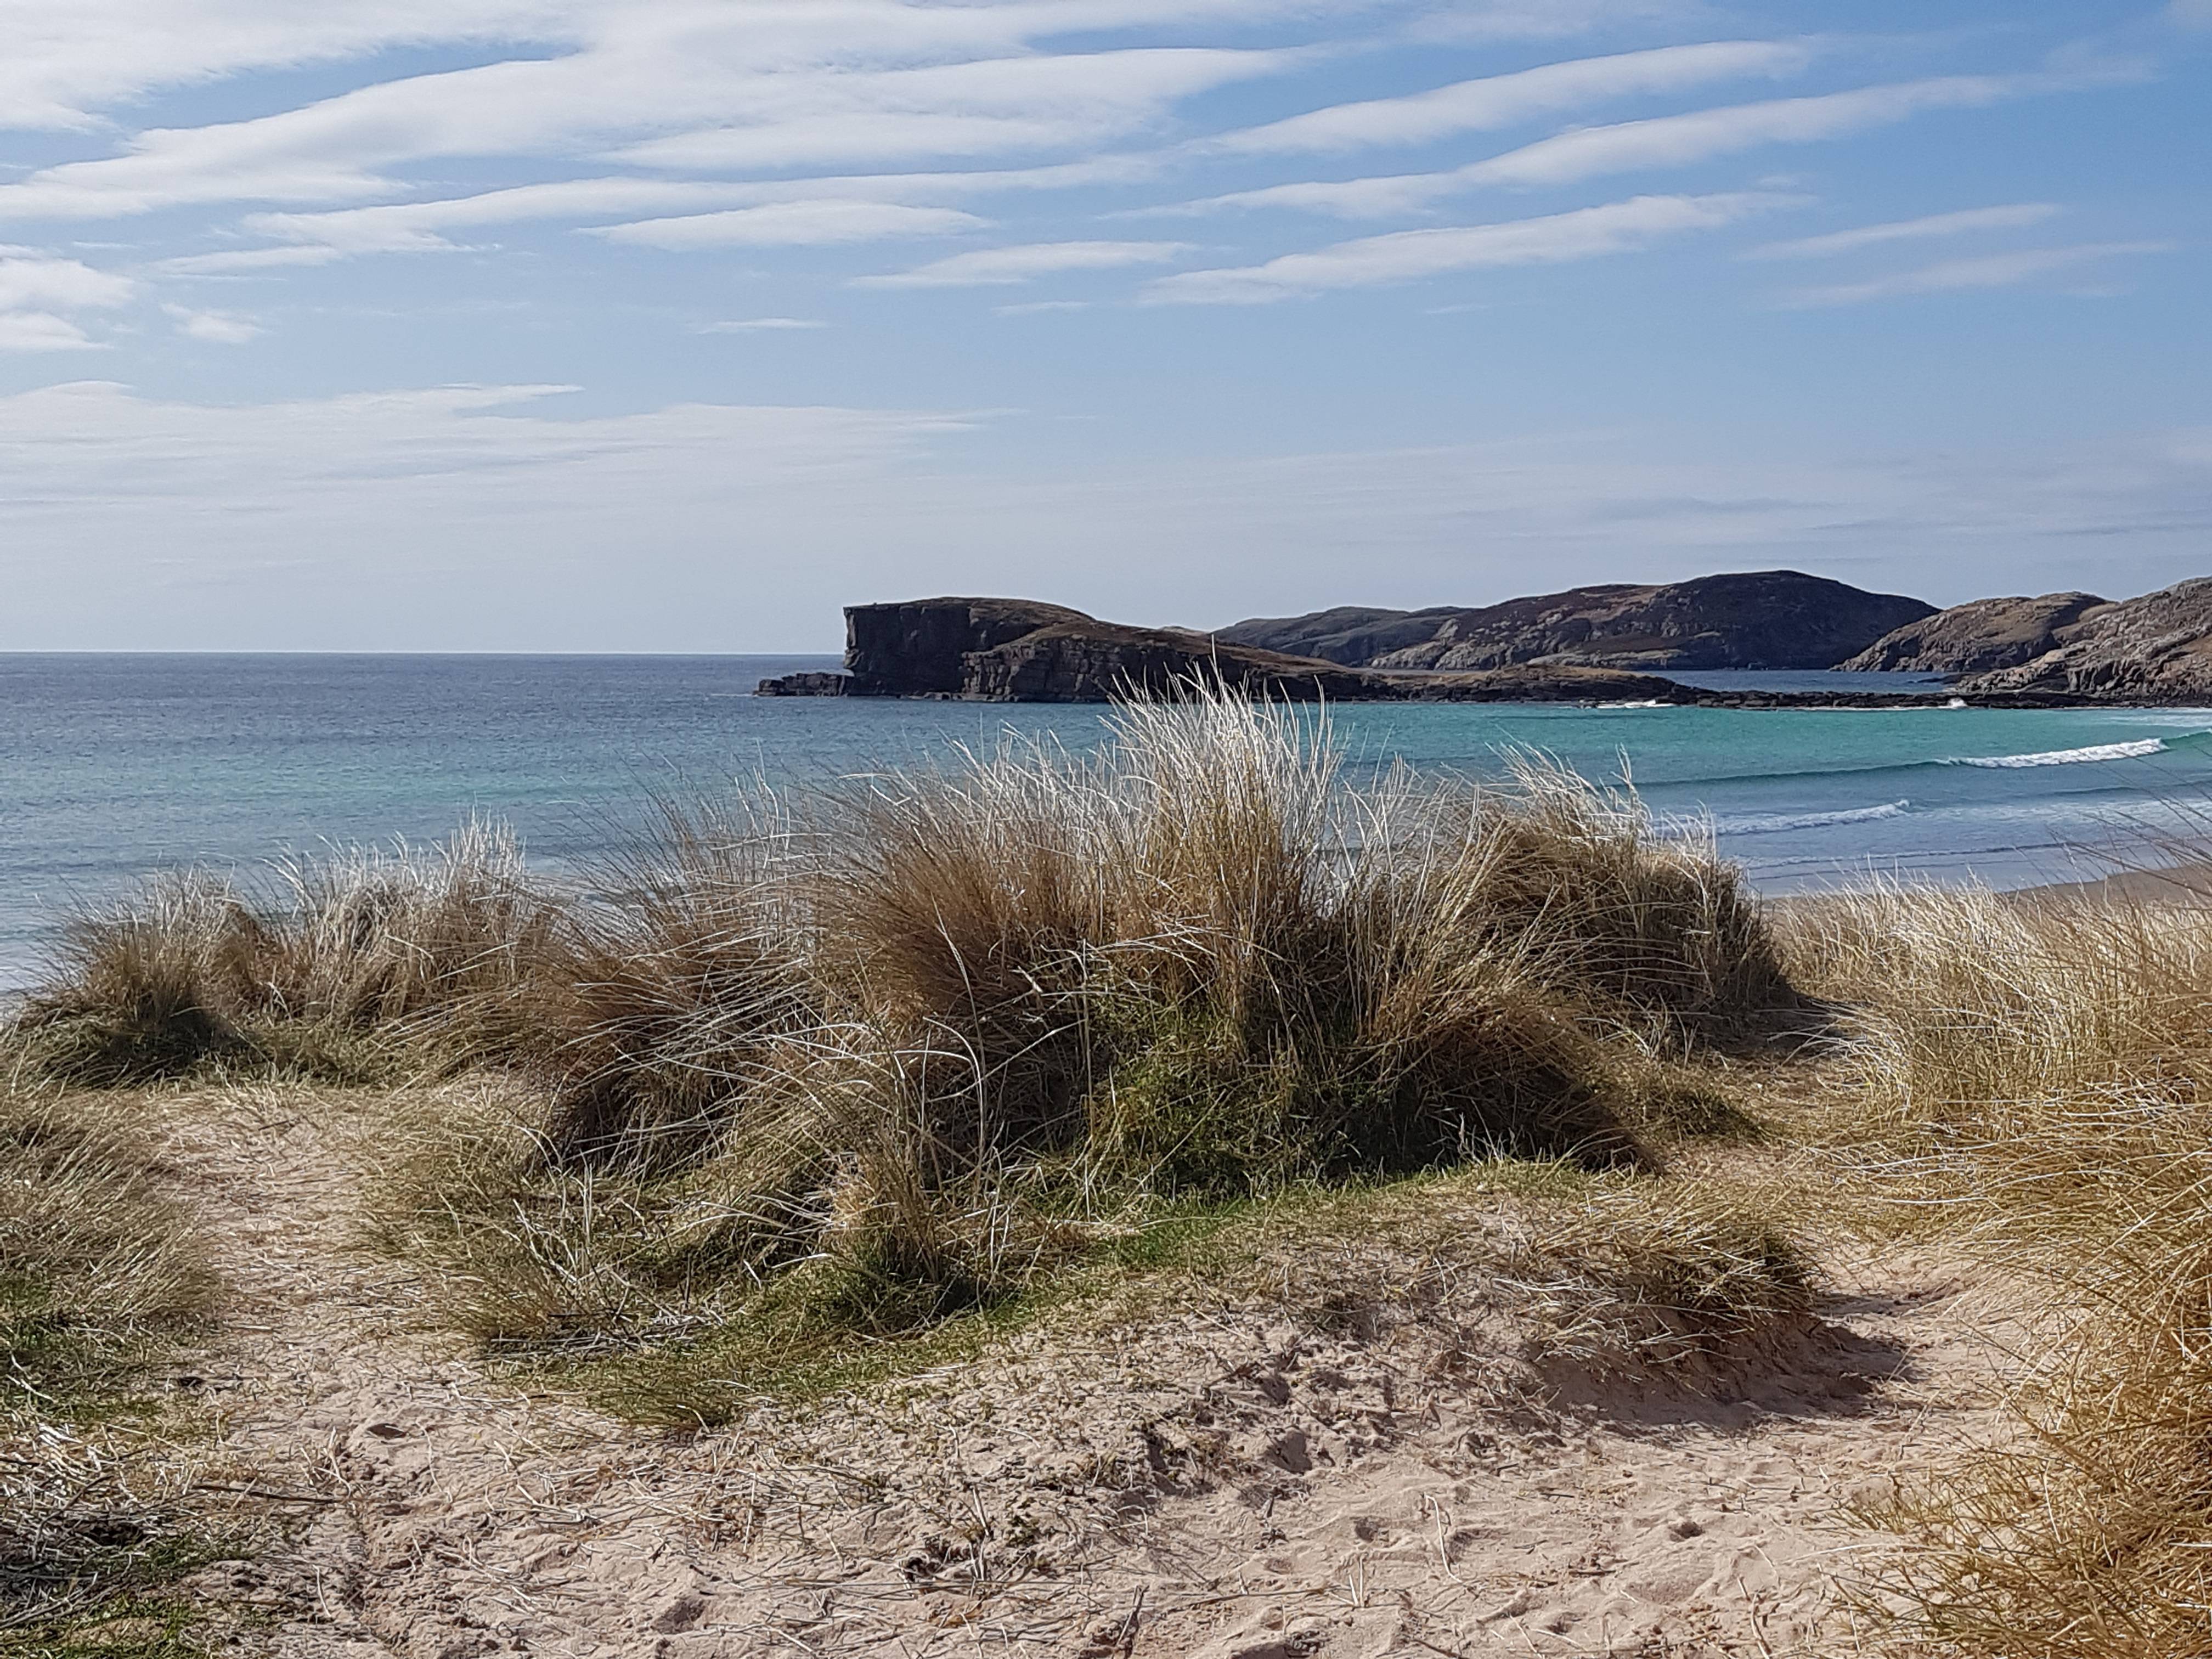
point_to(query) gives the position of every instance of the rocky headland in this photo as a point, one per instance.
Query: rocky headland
(993, 650)
(1978, 636)
(2053, 651)
(1758, 619)
(2154, 649)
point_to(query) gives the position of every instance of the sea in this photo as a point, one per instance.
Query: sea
(115, 766)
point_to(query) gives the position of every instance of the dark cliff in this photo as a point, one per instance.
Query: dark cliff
(1762, 619)
(921, 649)
(1977, 637)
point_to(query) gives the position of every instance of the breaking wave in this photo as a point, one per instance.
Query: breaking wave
(1769, 824)
(2096, 751)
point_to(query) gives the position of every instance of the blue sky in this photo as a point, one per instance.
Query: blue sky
(674, 324)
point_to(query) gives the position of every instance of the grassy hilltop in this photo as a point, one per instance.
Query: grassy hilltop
(805, 1098)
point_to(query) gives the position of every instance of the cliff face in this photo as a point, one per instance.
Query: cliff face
(2154, 649)
(1765, 619)
(1978, 637)
(921, 649)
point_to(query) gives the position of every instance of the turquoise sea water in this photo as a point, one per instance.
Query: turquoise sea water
(115, 765)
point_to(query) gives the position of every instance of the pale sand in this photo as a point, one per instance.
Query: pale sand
(1216, 1484)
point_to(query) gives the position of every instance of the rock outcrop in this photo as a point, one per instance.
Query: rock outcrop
(2154, 649)
(922, 649)
(1979, 636)
(1762, 619)
(1017, 651)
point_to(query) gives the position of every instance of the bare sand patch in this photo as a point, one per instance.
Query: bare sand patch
(1211, 1480)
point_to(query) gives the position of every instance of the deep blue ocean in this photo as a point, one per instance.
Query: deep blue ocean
(115, 765)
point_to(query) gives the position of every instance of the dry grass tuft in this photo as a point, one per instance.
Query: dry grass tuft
(343, 959)
(870, 1059)
(899, 1051)
(100, 1276)
(1679, 1280)
(2041, 1072)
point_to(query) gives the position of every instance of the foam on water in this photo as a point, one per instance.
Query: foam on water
(2085, 755)
(1781, 822)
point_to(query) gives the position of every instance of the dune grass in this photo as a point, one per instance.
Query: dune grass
(332, 967)
(2037, 1072)
(918, 1051)
(100, 1279)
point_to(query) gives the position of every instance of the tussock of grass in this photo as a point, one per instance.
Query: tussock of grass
(99, 1277)
(2041, 1072)
(96, 1266)
(317, 974)
(894, 1053)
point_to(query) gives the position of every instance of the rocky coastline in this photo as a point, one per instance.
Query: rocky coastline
(1002, 650)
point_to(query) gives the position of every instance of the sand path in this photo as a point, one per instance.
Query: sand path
(1216, 1485)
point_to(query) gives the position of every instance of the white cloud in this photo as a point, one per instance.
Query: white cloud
(812, 85)
(1038, 308)
(67, 59)
(999, 266)
(1409, 255)
(41, 331)
(420, 227)
(792, 224)
(990, 106)
(216, 327)
(1502, 99)
(1964, 222)
(37, 287)
(251, 258)
(1545, 19)
(1664, 140)
(30, 278)
(762, 326)
(1953, 275)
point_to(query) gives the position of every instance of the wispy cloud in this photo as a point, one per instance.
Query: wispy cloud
(757, 88)
(1552, 20)
(1953, 275)
(38, 288)
(1500, 100)
(422, 227)
(216, 327)
(1409, 255)
(990, 106)
(1663, 141)
(30, 277)
(1000, 266)
(792, 224)
(1966, 223)
(41, 331)
(246, 259)
(762, 326)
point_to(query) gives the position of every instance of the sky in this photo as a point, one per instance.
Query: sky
(677, 325)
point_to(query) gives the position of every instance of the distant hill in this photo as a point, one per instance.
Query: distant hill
(1978, 636)
(1760, 619)
(997, 650)
(2154, 649)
